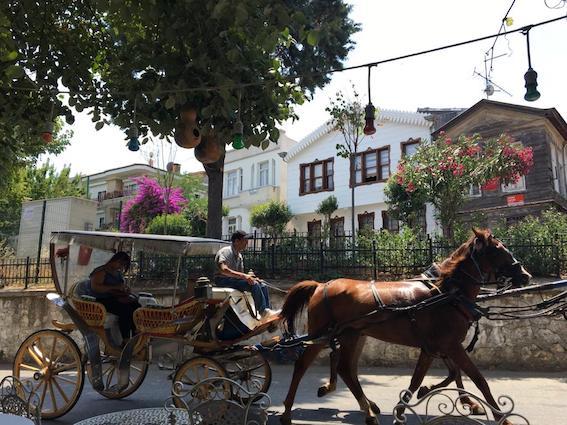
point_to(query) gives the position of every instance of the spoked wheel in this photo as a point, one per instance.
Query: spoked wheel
(251, 370)
(138, 370)
(50, 361)
(192, 372)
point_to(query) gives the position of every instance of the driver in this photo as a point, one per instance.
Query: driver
(230, 274)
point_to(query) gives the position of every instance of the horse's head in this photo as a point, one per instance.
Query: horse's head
(491, 255)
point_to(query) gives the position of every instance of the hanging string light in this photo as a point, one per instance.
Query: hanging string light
(133, 142)
(369, 112)
(238, 129)
(47, 128)
(530, 76)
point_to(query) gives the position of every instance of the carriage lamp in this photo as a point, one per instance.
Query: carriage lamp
(237, 135)
(133, 143)
(530, 76)
(47, 132)
(369, 112)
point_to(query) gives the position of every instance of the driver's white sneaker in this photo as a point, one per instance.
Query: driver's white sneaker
(268, 312)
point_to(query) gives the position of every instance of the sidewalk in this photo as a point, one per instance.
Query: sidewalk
(540, 397)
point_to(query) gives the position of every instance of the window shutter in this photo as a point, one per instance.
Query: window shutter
(272, 173)
(252, 177)
(240, 178)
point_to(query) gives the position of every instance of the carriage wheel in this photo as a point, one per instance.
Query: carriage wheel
(50, 362)
(138, 370)
(192, 372)
(251, 370)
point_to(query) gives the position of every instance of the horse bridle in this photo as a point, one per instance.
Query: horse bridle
(508, 271)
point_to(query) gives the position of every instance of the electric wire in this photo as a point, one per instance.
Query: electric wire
(295, 77)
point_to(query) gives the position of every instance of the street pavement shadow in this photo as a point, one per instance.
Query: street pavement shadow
(325, 416)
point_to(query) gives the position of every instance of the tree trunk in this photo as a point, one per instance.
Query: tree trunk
(215, 190)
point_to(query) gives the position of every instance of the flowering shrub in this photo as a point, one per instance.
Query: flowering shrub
(442, 172)
(150, 201)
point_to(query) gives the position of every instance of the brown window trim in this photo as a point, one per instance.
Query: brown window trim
(341, 221)
(410, 141)
(310, 166)
(378, 165)
(364, 214)
(386, 222)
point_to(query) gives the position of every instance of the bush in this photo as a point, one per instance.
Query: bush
(177, 224)
(271, 217)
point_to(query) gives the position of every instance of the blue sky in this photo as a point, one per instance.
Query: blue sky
(390, 29)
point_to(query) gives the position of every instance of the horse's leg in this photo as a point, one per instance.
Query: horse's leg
(453, 372)
(351, 348)
(332, 384)
(463, 361)
(476, 408)
(301, 365)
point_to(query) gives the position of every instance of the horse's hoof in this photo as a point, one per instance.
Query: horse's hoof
(285, 420)
(322, 391)
(371, 420)
(374, 407)
(477, 410)
(422, 392)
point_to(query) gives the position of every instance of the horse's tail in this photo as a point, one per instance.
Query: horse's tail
(295, 301)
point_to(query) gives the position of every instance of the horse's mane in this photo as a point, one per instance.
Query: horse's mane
(450, 265)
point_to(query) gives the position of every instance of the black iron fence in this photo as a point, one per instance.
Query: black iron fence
(296, 257)
(25, 272)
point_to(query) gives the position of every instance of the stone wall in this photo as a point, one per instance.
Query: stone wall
(536, 344)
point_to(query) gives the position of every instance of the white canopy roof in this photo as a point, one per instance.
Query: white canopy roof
(164, 244)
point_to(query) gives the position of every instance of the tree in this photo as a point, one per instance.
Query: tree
(150, 201)
(347, 116)
(172, 224)
(443, 171)
(271, 217)
(196, 213)
(142, 64)
(326, 208)
(43, 182)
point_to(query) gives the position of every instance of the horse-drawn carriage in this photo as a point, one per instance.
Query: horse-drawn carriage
(204, 331)
(207, 330)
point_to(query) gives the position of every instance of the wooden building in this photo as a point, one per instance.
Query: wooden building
(544, 187)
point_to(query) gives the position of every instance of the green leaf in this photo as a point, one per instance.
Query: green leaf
(99, 125)
(11, 56)
(313, 37)
(170, 102)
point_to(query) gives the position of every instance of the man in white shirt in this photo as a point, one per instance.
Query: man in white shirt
(230, 273)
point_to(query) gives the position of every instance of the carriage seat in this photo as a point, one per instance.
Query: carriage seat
(92, 311)
(242, 303)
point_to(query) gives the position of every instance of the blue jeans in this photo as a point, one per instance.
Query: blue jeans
(259, 291)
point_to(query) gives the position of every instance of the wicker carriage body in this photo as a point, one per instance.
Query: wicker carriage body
(171, 320)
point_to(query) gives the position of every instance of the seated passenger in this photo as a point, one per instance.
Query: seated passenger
(230, 274)
(108, 287)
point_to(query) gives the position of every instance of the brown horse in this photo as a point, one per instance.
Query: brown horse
(342, 312)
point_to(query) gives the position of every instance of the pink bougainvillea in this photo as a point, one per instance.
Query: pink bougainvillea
(150, 201)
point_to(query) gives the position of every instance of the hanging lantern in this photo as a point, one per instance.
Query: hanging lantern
(47, 132)
(369, 112)
(187, 133)
(133, 143)
(530, 76)
(237, 135)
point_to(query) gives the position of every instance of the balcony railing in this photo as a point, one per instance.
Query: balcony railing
(115, 194)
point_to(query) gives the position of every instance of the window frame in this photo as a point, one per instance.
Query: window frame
(335, 221)
(366, 214)
(310, 166)
(236, 183)
(379, 166)
(505, 188)
(230, 232)
(387, 221)
(411, 141)
(267, 171)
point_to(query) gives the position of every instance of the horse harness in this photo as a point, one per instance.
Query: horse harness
(470, 310)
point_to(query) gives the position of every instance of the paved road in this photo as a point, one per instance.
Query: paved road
(541, 397)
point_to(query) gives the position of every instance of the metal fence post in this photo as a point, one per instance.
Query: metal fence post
(374, 260)
(273, 249)
(430, 246)
(321, 257)
(27, 276)
(558, 257)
